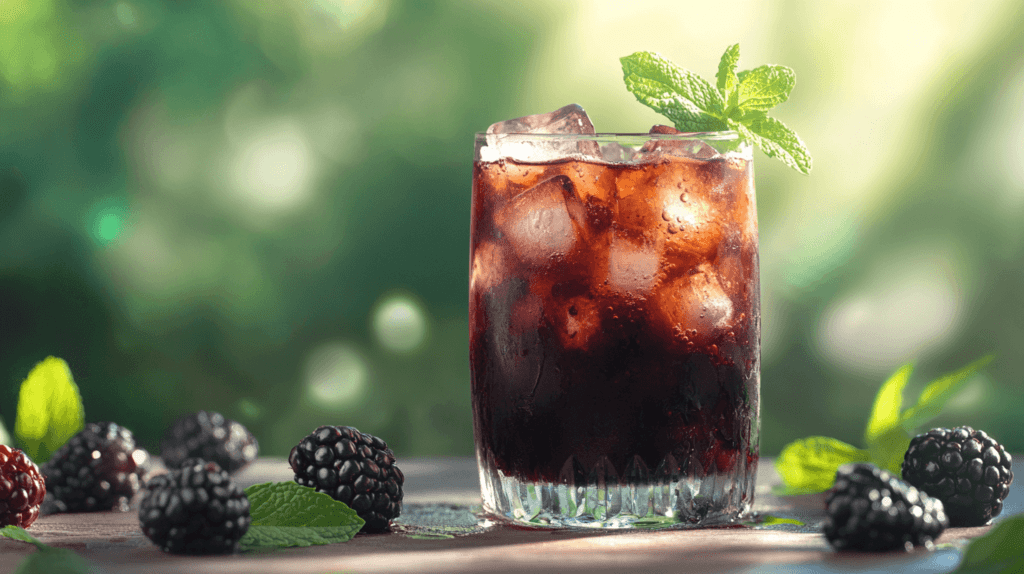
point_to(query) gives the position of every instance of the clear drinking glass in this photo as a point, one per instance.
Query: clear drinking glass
(614, 316)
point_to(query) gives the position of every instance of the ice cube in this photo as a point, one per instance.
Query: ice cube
(506, 139)
(692, 228)
(489, 266)
(664, 207)
(656, 148)
(571, 119)
(692, 308)
(632, 267)
(711, 303)
(617, 153)
(538, 222)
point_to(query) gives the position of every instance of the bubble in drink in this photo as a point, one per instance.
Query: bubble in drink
(578, 320)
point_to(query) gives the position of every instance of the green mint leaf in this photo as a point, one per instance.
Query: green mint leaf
(49, 409)
(48, 559)
(19, 533)
(290, 504)
(55, 560)
(809, 465)
(765, 87)
(287, 514)
(888, 449)
(738, 101)
(935, 396)
(265, 537)
(999, 550)
(769, 520)
(885, 414)
(684, 114)
(663, 81)
(726, 76)
(430, 536)
(777, 141)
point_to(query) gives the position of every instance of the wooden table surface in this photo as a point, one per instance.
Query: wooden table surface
(441, 494)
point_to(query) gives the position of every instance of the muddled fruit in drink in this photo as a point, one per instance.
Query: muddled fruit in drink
(614, 304)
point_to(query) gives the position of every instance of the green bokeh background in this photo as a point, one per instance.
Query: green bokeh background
(263, 208)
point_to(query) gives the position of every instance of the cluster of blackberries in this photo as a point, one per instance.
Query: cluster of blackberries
(102, 468)
(196, 509)
(951, 477)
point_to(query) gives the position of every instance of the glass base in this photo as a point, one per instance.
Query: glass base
(604, 501)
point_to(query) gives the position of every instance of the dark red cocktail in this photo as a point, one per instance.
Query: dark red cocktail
(614, 327)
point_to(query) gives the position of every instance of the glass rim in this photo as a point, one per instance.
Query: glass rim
(722, 135)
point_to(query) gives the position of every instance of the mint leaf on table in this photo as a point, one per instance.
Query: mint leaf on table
(739, 101)
(55, 560)
(49, 409)
(997, 551)
(19, 533)
(809, 465)
(287, 514)
(264, 537)
(47, 560)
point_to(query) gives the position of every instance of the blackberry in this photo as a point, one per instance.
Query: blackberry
(100, 468)
(209, 436)
(869, 509)
(353, 467)
(194, 509)
(22, 488)
(966, 469)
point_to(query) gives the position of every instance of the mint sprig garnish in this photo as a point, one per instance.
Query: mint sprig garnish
(809, 465)
(739, 101)
(286, 514)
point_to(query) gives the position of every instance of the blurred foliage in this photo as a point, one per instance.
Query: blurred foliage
(263, 208)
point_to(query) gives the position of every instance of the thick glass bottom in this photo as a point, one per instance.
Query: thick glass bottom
(604, 501)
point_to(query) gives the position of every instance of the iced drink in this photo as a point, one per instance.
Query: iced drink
(614, 323)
